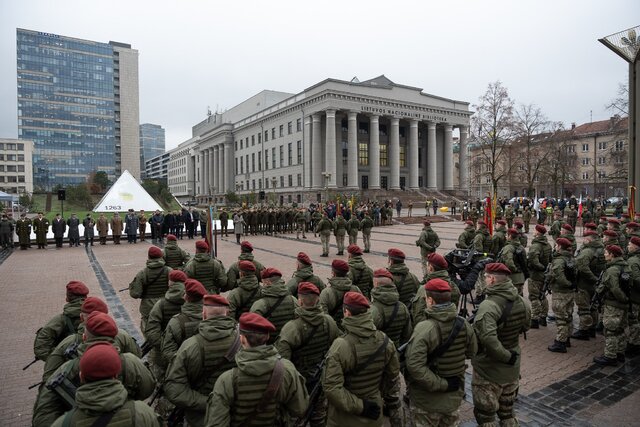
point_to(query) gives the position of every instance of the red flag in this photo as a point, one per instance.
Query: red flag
(632, 208)
(580, 207)
(488, 216)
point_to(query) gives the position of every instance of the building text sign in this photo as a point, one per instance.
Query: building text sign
(409, 114)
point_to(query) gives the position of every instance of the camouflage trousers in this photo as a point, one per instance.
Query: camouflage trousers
(526, 227)
(340, 242)
(490, 399)
(519, 287)
(300, 229)
(393, 403)
(539, 308)
(418, 417)
(588, 317)
(615, 322)
(562, 304)
(366, 239)
(324, 239)
(634, 325)
(319, 412)
(424, 262)
(353, 239)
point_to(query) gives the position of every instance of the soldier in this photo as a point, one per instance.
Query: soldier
(614, 225)
(339, 284)
(360, 274)
(437, 268)
(23, 230)
(567, 232)
(246, 254)
(538, 259)
(247, 291)
(6, 233)
(205, 269)
(389, 314)
(89, 231)
(61, 325)
(526, 218)
(465, 240)
(275, 304)
(500, 319)
(587, 217)
(103, 229)
(184, 325)
(572, 216)
(324, 227)
(428, 242)
(305, 341)
(633, 346)
(201, 359)
(361, 372)
(482, 239)
(556, 227)
(610, 237)
(156, 222)
(271, 221)
(612, 291)
(316, 216)
(473, 216)
(150, 284)
(303, 273)
(131, 225)
(509, 215)
(116, 228)
(524, 240)
(102, 395)
(55, 397)
(58, 226)
(339, 230)
(435, 383)
(142, 225)
(499, 238)
(74, 230)
(562, 293)
(405, 281)
(174, 256)
(366, 225)
(353, 226)
(301, 224)
(602, 225)
(514, 256)
(40, 228)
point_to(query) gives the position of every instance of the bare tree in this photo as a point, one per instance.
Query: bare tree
(531, 127)
(620, 104)
(561, 164)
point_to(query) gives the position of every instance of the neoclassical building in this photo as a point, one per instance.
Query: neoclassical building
(334, 136)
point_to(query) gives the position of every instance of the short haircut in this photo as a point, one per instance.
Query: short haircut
(396, 261)
(384, 281)
(309, 300)
(255, 339)
(500, 277)
(355, 310)
(340, 273)
(216, 311)
(439, 297)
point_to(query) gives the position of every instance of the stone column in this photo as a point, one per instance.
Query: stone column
(200, 176)
(316, 155)
(205, 174)
(374, 152)
(394, 154)
(431, 157)
(214, 169)
(330, 147)
(306, 152)
(463, 160)
(413, 154)
(339, 160)
(229, 167)
(447, 179)
(220, 164)
(352, 148)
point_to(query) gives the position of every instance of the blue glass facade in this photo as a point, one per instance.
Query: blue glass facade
(66, 105)
(152, 143)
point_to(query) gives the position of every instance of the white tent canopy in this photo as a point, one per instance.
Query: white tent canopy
(125, 194)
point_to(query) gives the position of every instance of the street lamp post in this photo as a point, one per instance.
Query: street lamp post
(274, 182)
(327, 179)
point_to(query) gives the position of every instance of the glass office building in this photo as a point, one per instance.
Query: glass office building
(151, 144)
(68, 105)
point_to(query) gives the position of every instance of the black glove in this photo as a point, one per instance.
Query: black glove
(513, 358)
(453, 383)
(370, 409)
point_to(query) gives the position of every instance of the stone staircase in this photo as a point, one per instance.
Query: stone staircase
(444, 197)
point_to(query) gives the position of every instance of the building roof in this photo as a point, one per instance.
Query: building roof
(615, 124)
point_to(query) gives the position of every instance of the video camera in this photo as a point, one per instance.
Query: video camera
(464, 267)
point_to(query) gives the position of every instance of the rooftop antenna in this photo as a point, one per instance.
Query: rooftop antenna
(591, 112)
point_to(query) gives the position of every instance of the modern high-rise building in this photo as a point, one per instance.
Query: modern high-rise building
(151, 144)
(78, 103)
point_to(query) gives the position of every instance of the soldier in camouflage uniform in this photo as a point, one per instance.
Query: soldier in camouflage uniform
(435, 383)
(339, 230)
(633, 346)
(556, 227)
(238, 392)
(301, 224)
(482, 239)
(499, 238)
(572, 216)
(206, 269)
(353, 226)
(473, 215)
(339, 284)
(201, 359)
(303, 273)
(246, 254)
(514, 256)
(526, 218)
(276, 304)
(509, 215)
(361, 373)
(614, 225)
(242, 297)
(150, 284)
(562, 287)
(315, 219)
(538, 259)
(500, 319)
(366, 225)
(567, 232)
(405, 281)
(174, 256)
(465, 240)
(324, 227)
(437, 268)
(389, 314)
(360, 274)
(524, 240)
(428, 242)
(305, 341)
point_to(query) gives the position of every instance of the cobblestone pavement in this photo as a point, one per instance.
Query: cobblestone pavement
(556, 389)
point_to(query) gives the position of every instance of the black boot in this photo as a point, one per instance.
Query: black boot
(600, 327)
(543, 321)
(557, 347)
(592, 332)
(605, 361)
(620, 357)
(534, 324)
(568, 343)
(633, 350)
(581, 335)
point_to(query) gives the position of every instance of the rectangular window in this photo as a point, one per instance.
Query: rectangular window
(282, 156)
(259, 184)
(363, 154)
(21, 157)
(12, 168)
(21, 178)
(253, 162)
(383, 155)
(619, 145)
(383, 182)
(281, 131)
(253, 140)
(403, 155)
(585, 148)
(290, 153)
(602, 145)
(299, 180)
(20, 168)
(273, 158)
(571, 148)
(298, 125)
(260, 160)
(585, 175)
(585, 161)
(20, 147)
(236, 166)
(253, 184)
(299, 148)
(266, 135)
(273, 133)
(281, 181)
(241, 166)
(266, 159)
(289, 128)
(260, 138)
(290, 178)
(601, 160)
(241, 141)
(266, 183)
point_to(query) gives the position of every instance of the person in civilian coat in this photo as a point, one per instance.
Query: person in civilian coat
(74, 230)
(58, 226)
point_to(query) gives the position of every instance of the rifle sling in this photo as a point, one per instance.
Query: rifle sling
(269, 394)
(155, 279)
(506, 312)
(245, 303)
(444, 346)
(228, 357)
(274, 307)
(372, 357)
(390, 320)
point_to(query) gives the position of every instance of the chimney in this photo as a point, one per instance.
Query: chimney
(573, 125)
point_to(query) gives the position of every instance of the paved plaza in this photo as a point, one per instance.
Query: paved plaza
(556, 389)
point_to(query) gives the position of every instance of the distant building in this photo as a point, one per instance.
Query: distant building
(78, 102)
(156, 168)
(181, 171)
(152, 143)
(16, 174)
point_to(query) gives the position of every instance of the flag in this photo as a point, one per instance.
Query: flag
(536, 204)
(580, 207)
(210, 231)
(632, 208)
(488, 214)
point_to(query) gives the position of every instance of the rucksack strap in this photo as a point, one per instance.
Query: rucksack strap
(506, 312)
(404, 277)
(155, 279)
(246, 302)
(372, 357)
(269, 394)
(389, 321)
(274, 306)
(69, 324)
(444, 346)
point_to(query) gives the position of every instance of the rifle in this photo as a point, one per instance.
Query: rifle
(32, 386)
(156, 393)
(176, 417)
(123, 289)
(71, 352)
(314, 395)
(546, 287)
(30, 363)
(146, 347)
(64, 388)
(597, 301)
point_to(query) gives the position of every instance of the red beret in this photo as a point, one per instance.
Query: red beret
(75, 287)
(100, 361)
(396, 254)
(613, 221)
(497, 268)
(155, 252)
(469, 223)
(426, 222)
(304, 258)
(437, 285)
(614, 250)
(215, 301)
(306, 288)
(625, 215)
(541, 228)
(501, 222)
(202, 244)
(590, 233)
(92, 304)
(635, 240)
(383, 272)
(246, 246)
(171, 237)
(271, 272)
(340, 265)
(603, 219)
(437, 260)
(591, 226)
(567, 227)
(633, 225)
(101, 325)
(482, 223)
(513, 232)
(177, 276)
(564, 243)
(518, 224)
(355, 299)
(354, 250)
(253, 322)
(247, 266)
(610, 233)
(194, 289)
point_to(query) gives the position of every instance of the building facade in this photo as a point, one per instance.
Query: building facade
(16, 169)
(157, 167)
(334, 136)
(181, 170)
(78, 103)
(152, 144)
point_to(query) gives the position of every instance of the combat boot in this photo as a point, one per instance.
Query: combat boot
(592, 332)
(568, 342)
(534, 324)
(600, 327)
(605, 361)
(633, 350)
(620, 357)
(557, 347)
(543, 321)
(581, 335)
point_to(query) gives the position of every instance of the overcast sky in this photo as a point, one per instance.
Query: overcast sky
(197, 53)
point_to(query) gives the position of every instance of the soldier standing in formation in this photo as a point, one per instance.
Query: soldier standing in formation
(205, 269)
(366, 225)
(41, 228)
(6, 232)
(514, 256)
(74, 230)
(389, 314)
(304, 273)
(246, 254)
(116, 228)
(131, 226)
(339, 284)
(526, 218)
(405, 281)
(590, 263)
(428, 242)
(360, 274)
(174, 256)
(58, 227)
(353, 226)
(224, 223)
(301, 224)
(276, 304)
(499, 238)
(339, 230)
(246, 291)
(562, 294)
(142, 225)
(437, 268)
(538, 259)
(324, 227)
(150, 284)
(23, 230)
(465, 240)
(103, 229)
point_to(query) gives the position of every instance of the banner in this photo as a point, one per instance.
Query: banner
(210, 234)
(580, 207)
(488, 214)
(631, 207)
